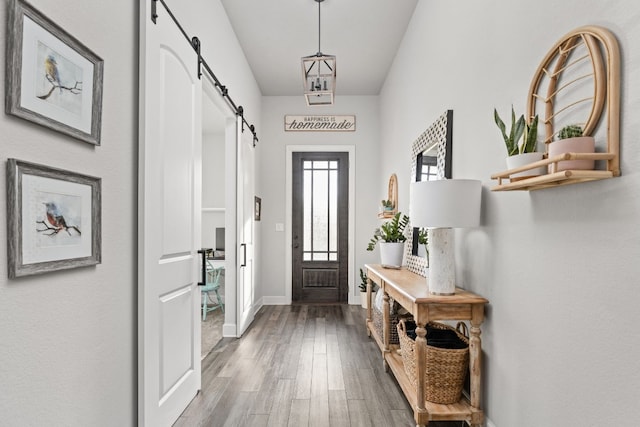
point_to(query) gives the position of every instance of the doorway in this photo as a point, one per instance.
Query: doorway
(320, 226)
(214, 182)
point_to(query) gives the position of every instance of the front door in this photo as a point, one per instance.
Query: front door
(246, 209)
(320, 213)
(169, 221)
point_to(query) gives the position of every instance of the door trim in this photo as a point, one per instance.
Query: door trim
(290, 149)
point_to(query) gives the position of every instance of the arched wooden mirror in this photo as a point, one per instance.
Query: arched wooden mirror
(574, 83)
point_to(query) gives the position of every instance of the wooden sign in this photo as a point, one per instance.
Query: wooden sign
(319, 123)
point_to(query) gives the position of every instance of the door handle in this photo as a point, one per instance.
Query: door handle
(244, 256)
(203, 253)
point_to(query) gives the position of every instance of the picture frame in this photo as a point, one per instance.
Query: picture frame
(51, 78)
(258, 208)
(54, 219)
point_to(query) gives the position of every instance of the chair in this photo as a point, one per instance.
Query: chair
(212, 285)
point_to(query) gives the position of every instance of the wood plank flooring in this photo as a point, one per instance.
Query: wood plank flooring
(300, 365)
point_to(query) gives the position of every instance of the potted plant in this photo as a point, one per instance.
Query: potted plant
(391, 237)
(521, 143)
(364, 301)
(387, 205)
(423, 241)
(571, 140)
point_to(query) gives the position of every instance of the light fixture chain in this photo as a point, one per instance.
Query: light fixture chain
(319, 84)
(319, 50)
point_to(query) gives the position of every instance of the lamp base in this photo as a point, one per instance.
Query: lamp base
(442, 294)
(442, 268)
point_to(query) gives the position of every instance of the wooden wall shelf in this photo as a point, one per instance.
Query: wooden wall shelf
(392, 195)
(602, 50)
(388, 214)
(553, 179)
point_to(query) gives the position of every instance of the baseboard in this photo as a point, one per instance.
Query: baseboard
(354, 299)
(258, 305)
(271, 300)
(229, 330)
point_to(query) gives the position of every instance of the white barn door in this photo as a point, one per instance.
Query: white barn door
(246, 208)
(169, 221)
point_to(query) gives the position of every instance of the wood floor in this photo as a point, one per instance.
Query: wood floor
(211, 331)
(300, 365)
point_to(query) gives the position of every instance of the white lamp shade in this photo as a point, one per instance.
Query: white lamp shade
(445, 203)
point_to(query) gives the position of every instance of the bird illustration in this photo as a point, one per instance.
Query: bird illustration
(51, 68)
(56, 221)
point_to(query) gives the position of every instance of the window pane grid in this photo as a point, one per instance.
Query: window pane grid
(429, 173)
(320, 210)
(320, 256)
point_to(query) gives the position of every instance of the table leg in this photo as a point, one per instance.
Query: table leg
(475, 354)
(385, 330)
(369, 286)
(421, 361)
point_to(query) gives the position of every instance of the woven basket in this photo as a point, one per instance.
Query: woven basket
(378, 321)
(446, 368)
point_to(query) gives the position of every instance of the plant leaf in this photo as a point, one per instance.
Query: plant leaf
(516, 133)
(531, 137)
(501, 126)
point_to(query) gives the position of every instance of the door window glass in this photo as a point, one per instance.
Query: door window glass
(320, 210)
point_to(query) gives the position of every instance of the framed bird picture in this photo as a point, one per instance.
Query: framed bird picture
(54, 219)
(52, 78)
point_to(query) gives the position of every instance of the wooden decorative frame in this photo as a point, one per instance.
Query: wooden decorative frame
(439, 135)
(54, 219)
(52, 79)
(392, 196)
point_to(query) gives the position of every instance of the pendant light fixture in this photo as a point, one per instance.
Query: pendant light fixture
(319, 75)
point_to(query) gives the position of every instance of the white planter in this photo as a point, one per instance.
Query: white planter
(522, 160)
(364, 302)
(580, 144)
(391, 254)
(422, 252)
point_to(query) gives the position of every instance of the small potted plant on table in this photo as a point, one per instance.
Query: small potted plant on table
(391, 237)
(364, 301)
(423, 242)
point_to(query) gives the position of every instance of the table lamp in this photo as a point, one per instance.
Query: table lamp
(440, 206)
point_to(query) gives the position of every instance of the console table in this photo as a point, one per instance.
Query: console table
(411, 291)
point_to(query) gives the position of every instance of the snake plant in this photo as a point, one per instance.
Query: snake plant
(519, 128)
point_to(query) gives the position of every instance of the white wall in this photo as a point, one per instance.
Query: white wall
(272, 179)
(213, 186)
(69, 340)
(559, 265)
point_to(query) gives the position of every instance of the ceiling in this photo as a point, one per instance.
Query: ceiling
(363, 35)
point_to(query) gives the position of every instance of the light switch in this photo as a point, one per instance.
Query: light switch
(279, 226)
